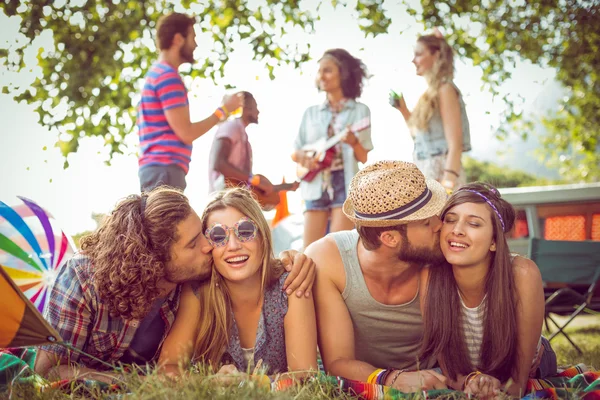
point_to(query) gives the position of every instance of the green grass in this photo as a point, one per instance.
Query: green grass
(585, 331)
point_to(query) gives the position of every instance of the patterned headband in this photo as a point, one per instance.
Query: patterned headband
(333, 58)
(491, 205)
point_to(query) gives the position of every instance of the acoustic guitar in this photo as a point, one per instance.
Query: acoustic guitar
(267, 202)
(325, 151)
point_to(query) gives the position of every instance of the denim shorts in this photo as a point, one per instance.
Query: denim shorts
(325, 202)
(548, 364)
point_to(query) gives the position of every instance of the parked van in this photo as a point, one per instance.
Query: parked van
(561, 212)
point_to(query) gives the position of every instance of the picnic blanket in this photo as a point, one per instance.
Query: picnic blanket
(572, 381)
(16, 365)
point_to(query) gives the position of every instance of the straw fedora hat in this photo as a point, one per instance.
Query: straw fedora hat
(389, 193)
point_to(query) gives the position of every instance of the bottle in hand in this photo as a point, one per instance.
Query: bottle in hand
(395, 98)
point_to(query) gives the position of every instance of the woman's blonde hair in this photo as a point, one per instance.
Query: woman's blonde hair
(215, 317)
(441, 72)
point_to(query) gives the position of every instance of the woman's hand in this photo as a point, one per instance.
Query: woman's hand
(350, 138)
(228, 374)
(483, 387)
(449, 182)
(308, 159)
(399, 104)
(228, 369)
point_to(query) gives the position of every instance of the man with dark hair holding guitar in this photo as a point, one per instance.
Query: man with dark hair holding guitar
(230, 161)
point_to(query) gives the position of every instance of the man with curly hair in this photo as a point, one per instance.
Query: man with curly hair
(116, 300)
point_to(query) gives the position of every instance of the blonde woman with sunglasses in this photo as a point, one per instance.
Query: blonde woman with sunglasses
(242, 318)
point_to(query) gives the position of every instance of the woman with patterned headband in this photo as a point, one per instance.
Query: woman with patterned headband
(242, 317)
(326, 173)
(496, 297)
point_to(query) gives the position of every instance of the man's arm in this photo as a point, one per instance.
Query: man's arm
(335, 330)
(178, 347)
(69, 313)
(334, 325)
(179, 119)
(301, 272)
(452, 123)
(219, 160)
(54, 368)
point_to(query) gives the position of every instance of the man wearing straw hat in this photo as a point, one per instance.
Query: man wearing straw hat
(370, 280)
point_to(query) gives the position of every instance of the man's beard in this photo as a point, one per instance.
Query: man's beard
(186, 55)
(179, 275)
(422, 255)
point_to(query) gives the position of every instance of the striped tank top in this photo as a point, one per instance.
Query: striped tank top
(472, 324)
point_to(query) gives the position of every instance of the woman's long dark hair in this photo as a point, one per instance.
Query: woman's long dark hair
(353, 72)
(444, 335)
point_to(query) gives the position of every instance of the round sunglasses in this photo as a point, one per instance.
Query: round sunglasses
(218, 234)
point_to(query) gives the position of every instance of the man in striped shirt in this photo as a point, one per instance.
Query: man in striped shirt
(165, 130)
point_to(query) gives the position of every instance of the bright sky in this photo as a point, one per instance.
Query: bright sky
(32, 167)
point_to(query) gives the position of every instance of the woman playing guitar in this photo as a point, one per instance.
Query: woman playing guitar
(329, 169)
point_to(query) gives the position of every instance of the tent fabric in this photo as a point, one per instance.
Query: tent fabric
(22, 324)
(32, 248)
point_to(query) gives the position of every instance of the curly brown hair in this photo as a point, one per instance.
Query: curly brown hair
(353, 72)
(132, 247)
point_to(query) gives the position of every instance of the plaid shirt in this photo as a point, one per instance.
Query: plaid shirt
(78, 314)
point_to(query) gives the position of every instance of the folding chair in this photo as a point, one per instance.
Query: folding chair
(571, 263)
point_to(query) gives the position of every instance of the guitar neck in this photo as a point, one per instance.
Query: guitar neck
(335, 139)
(283, 186)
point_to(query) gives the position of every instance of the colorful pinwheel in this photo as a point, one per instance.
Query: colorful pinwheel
(32, 248)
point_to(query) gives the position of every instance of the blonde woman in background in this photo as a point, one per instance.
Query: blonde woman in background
(438, 124)
(242, 318)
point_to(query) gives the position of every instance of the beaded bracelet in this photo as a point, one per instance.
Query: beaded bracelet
(382, 376)
(469, 377)
(400, 371)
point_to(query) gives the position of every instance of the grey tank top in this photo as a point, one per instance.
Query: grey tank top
(384, 335)
(432, 141)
